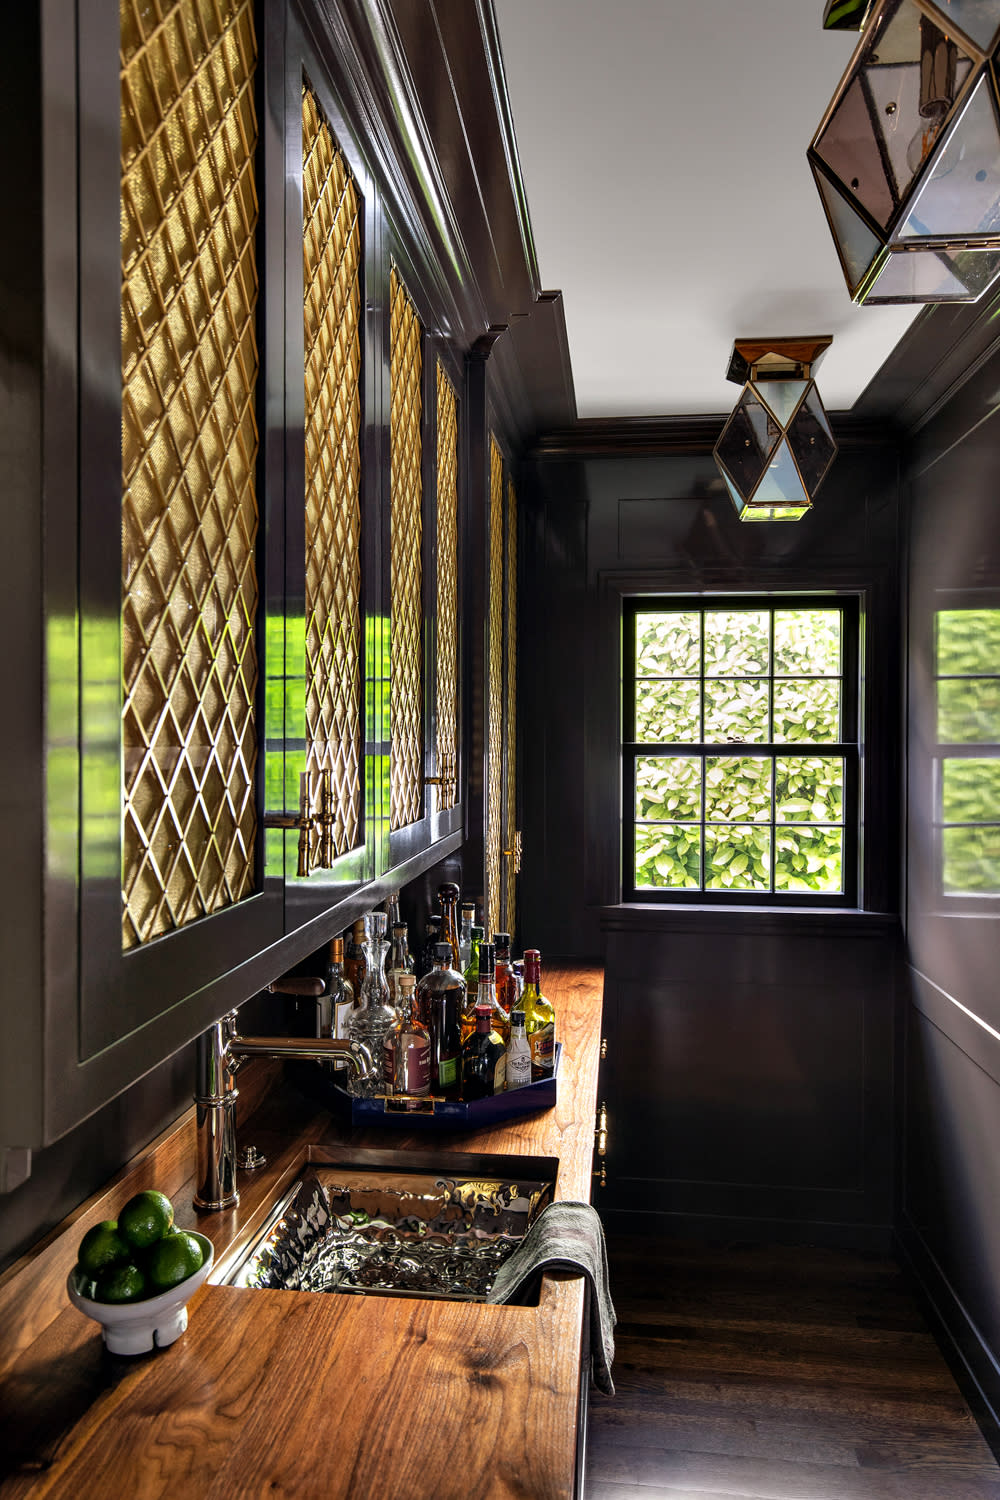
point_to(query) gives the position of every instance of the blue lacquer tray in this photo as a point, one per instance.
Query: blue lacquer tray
(430, 1113)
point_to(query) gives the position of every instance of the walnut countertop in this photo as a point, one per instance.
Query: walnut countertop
(286, 1393)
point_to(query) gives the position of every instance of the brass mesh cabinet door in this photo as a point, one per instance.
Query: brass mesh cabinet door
(189, 452)
(407, 614)
(495, 697)
(332, 284)
(446, 661)
(511, 837)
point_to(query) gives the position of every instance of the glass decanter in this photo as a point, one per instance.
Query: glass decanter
(375, 1017)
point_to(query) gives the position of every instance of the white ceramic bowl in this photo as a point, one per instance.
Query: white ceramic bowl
(135, 1327)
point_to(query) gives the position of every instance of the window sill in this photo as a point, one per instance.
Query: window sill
(747, 920)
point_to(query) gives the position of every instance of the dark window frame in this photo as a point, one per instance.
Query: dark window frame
(849, 747)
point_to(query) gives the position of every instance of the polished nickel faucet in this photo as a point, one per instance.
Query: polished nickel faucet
(220, 1052)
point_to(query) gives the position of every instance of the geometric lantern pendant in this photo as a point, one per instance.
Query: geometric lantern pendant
(777, 445)
(907, 157)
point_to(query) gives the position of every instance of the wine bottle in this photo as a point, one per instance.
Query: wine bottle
(471, 970)
(338, 991)
(467, 915)
(485, 994)
(539, 1018)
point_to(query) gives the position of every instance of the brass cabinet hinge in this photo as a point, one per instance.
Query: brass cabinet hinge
(601, 1145)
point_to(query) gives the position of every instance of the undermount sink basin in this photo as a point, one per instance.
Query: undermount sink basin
(393, 1224)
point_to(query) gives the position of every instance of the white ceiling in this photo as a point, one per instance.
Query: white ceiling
(663, 150)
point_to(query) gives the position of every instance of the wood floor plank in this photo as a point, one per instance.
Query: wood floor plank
(749, 1373)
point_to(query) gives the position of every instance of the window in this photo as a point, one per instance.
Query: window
(966, 658)
(740, 750)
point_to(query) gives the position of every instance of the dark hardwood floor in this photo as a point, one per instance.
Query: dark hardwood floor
(756, 1373)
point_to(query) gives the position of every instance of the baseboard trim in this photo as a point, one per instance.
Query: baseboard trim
(874, 1239)
(972, 1361)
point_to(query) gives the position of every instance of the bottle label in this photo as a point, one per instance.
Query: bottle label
(407, 1062)
(343, 1010)
(543, 1048)
(518, 1063)
(447, 1072)
(500, 1074)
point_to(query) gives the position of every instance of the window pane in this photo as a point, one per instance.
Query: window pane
(968, 710)
(737, 710)
(737, 858)
(968, 642)
(970, 791)
(668, 787)
(809, 859)
(736, 642)
(668, 855)
(971, 860)
(738, 788)
(668, 644)
(807, 643)
(810, 789)
(806, 710)
(668, 711)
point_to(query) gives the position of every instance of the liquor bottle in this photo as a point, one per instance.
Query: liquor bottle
(539, 1018)
(432, 936)
(448, 895)
(517, 969)
(484, 1059)
(506, 983)
(354, 957)
(407, 1048)
(518, 1053)
(338, 991)
(485, 994)
(467, 915)
(439, 1004)
(391, 906)
(472, 967)
(400, 961)
(375, 1016)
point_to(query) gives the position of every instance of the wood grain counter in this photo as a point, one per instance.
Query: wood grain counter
(298, 1394)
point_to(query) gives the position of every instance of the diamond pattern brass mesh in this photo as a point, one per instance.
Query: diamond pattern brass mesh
(495, 703)
(189, 450)
(331, 244)
(447, 589)
(510, 759)
(406, 775)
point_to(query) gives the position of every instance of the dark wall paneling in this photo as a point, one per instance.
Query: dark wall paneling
(761, 1048)
(949, 1223)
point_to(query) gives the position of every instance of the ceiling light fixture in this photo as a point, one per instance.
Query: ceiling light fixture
(907, 156)
(777, 445)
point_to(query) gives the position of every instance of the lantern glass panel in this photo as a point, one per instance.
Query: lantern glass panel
(782, 396)
(747, 441)
(811, 442)
(962, 194)
(857, 244)
(977, 18)
(781, 484)
(773, 513)
(935, 276)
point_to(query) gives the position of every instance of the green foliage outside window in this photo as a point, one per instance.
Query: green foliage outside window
(758, 822)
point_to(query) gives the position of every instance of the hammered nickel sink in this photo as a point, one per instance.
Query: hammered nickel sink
(399, 1224)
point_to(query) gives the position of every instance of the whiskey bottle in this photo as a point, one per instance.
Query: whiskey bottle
(518, 1053)
(354, 956)
(484, 1059)
(407, 1050)
(338, 991)
(485, 994)
(439, 1005)
(507, 992)
(539, 1018)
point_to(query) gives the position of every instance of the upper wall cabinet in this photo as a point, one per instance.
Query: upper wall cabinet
(236, 446)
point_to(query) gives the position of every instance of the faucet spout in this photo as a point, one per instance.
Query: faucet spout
(220, 1050)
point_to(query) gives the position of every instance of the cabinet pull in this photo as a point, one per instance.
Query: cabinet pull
(515, 852)
(604, 1048)
(601, 1144)
(306, 820)
(449, 774)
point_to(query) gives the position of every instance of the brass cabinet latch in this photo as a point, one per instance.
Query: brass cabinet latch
(448, 779)
(306, 820)
(515, 852)
(601, 1145)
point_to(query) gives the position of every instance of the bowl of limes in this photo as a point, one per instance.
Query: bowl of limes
(135, 1274)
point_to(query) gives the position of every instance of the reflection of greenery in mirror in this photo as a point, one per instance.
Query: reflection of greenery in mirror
(970, 796)
(967, 664)
(768, 821)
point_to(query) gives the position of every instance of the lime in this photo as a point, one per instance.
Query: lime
(172, 1260)
(120, 1284)
(102, 1246)
(146, 1218)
